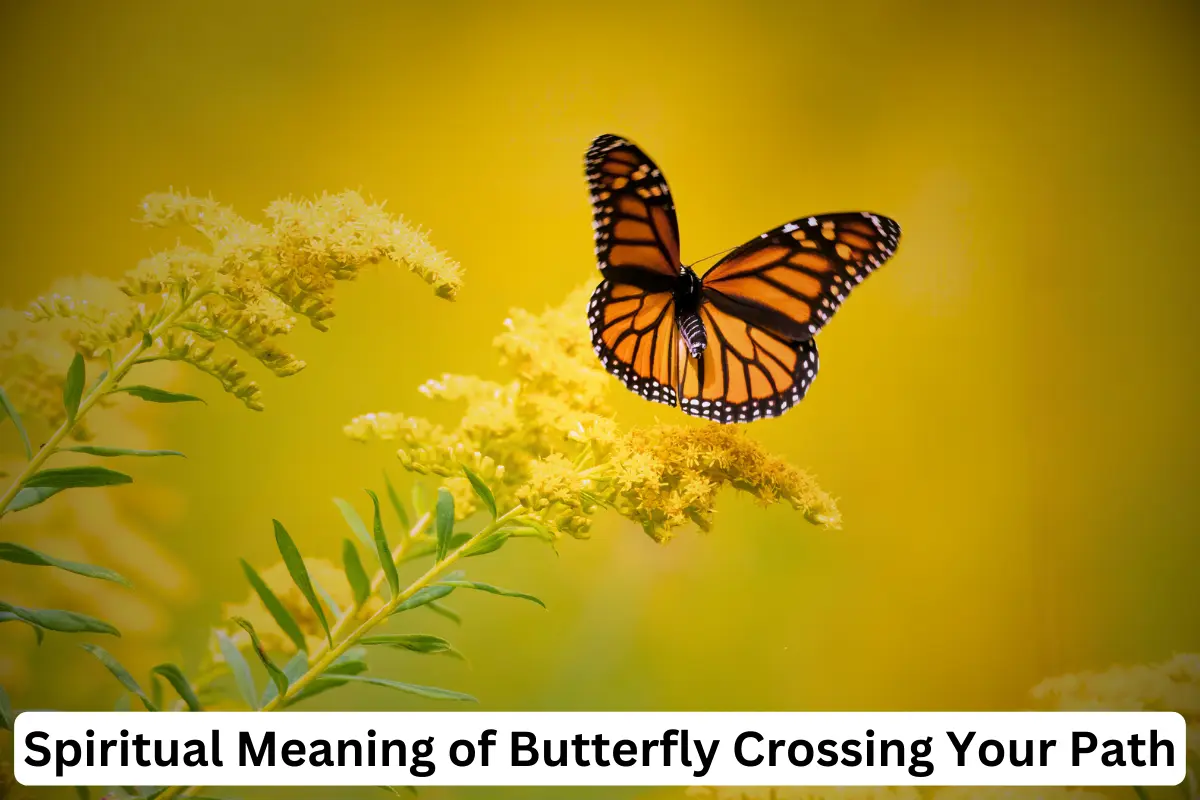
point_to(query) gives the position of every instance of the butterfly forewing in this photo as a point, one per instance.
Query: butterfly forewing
(793, 278)
(632, 210)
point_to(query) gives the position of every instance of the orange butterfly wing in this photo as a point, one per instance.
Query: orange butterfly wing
(632, 210)
(635, 334)
(746, 372)
(632, 311)
(791, 279)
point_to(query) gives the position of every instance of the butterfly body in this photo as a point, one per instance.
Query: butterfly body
(687, 311)
(736, 344)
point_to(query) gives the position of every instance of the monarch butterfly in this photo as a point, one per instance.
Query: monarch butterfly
(736, 345)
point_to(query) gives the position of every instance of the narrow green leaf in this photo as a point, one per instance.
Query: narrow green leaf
(156, 691)
(488, 544)
(123, 703)
(6, 713)
(179, 682)
(203, 332)
(240, 669)
(277, 677)
(83, 793)
(27, 498)
(355, 522)
(444, 520)
(61, 621)
(481, 489)
(487, 587)
(413, 642)
(295, 565)
(20, 554)
(423, 596)
(401, 513)
(396, 791)
(296, 666)
(327, 598)
(120, 673)
(384, 550)
(444, 611)
(11, 411)
(355, 573)
(73, 386)
(349, 663)
(110, 452)
(153, 395)
(431, 692)
(280, 614)
(76, 477)
(39, 633)
(420, 498)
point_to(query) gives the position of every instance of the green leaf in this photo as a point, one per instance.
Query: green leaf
(83, 793)
(423, 596)
(443, 611)
(355, 573)
(61, 621)
(384, 550)
(296, 666)
(295, 566)
(20, 554)
(73, 387)
(8, 616)
(27, 498)
(110, 452)
(420, 499)
(482, 490)
(277, 677)
(355, 522)
(123, 703)
(6, 713)
(349, 663)
(488, 544)
(396, 504)
(205, 333)
(76, 477)
(487, 587)
(327, 598)
(179, 682)
(152, 395)
(11, 412)
(238, 666)
(396, 791)
(413, 642)
(280, 614)
(431, 692)
(120, 673)
(444, 519)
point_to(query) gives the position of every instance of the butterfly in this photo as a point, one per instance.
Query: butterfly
(736, 344)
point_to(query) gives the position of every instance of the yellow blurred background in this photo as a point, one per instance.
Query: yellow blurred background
(1006, 411)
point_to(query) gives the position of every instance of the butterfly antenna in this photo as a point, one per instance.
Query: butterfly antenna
(714, 255)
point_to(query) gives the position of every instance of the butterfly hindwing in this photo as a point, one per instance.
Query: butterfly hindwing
(746, 372)
(632, 210)
(635, 335)
(793, 278)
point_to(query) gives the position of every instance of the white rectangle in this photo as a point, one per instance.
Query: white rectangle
(634, 745)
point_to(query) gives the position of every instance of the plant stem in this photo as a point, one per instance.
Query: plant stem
(1141, 793)
(327, 655)
(110, 381)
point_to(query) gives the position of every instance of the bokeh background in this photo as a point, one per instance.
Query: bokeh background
(1006, 411)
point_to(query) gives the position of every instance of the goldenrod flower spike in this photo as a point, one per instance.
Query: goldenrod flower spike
(559, 453)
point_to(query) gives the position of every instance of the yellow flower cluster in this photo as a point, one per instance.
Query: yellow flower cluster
(547, 440)
(241, 283)
(1173, 685)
